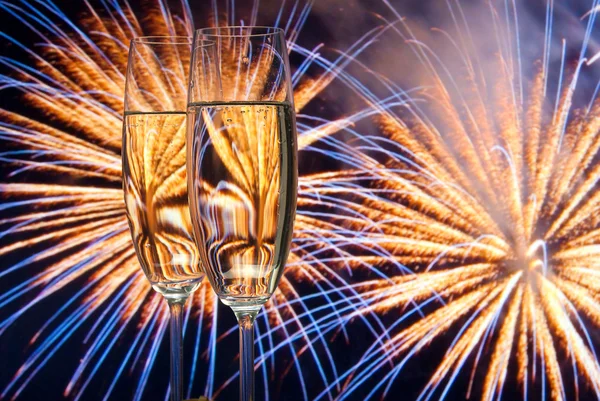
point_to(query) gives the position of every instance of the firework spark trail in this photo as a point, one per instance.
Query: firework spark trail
(494, 210)
(80, 90)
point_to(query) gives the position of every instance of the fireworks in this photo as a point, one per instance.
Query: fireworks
(469, 219)
(488, 195)
(79, 226)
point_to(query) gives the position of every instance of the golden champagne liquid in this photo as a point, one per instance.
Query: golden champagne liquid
(155, 185)
(243, 184)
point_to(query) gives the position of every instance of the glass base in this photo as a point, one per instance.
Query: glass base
(174, 291)
(250, 303)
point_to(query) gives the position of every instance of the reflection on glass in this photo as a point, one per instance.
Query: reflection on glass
(245, 189)
(157, 203)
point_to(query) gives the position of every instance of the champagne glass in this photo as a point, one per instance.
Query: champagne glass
(242, 170)
(154, 176)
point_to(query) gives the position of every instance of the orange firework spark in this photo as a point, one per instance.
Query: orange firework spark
(77, 82)
(489, 196)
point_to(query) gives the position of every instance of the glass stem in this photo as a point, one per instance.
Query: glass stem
(246, 322)
(176, 324)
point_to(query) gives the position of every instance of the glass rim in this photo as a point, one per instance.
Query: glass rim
(229, 31)
(162, 40)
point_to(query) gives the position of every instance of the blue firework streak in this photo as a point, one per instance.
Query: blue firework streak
(63, 202)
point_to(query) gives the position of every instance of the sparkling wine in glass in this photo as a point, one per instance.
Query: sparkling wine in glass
(154, 177)
(242, 170)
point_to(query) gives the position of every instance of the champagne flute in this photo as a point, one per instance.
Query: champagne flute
(242, 170)
(154, 176)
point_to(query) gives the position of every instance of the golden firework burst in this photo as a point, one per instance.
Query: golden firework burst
(487, 197)
(78, 224)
